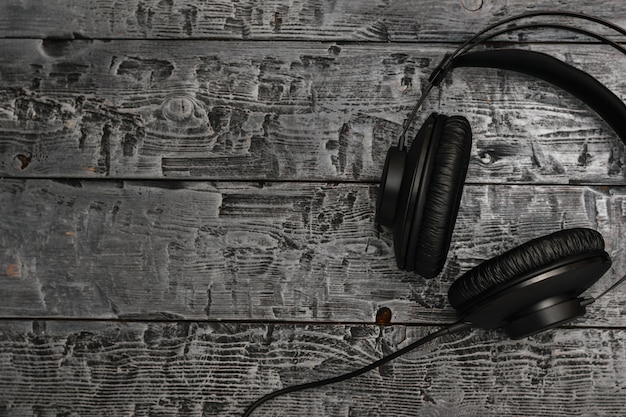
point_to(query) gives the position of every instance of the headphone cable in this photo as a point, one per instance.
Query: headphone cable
(452, 328)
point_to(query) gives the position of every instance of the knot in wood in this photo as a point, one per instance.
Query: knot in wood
(178, 108)
(486, 158)
(472, 5)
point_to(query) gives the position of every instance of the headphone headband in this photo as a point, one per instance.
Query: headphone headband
(446, 63)
(580, 84)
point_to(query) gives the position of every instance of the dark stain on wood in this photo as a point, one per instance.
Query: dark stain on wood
(104, 163)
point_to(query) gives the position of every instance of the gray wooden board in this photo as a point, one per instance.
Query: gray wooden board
(250, 251)
(370, 20)
(306, 111)
(199, 369)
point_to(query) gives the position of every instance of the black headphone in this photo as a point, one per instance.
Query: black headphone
(528, 289)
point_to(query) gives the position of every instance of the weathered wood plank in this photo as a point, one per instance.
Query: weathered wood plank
(130, 109)
(285, 251)
(198, 369)
(395, 21)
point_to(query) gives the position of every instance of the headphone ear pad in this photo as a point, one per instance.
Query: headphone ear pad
(498, 272)
(443, 197)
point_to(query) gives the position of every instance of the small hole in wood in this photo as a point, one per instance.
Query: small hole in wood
(23, 161)
(383, 316)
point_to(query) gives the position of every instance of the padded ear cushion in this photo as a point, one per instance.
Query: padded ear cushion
(417, 168)
(534, 254)
(443, 197)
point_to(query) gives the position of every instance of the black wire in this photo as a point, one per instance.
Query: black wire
(440, 71)
(601, 38)
(474, 40)
(453, 328)
(611, 288)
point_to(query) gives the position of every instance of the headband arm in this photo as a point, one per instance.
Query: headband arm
(478, 38)
(580, 84)
(441, 70)
(444, 66)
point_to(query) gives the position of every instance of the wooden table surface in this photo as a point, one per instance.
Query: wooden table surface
(187, 192)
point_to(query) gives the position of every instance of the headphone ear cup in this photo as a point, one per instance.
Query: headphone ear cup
(540, 274)
(411, 198)
(430, 243)
(390, 183)
(534, 254)
(429, 194)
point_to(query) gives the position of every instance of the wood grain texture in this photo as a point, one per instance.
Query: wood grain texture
(129, 109)
(187, 192)
(197, 369)
(363, 20)
(167, 250)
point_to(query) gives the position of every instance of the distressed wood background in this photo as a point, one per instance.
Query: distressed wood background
(187, 191)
